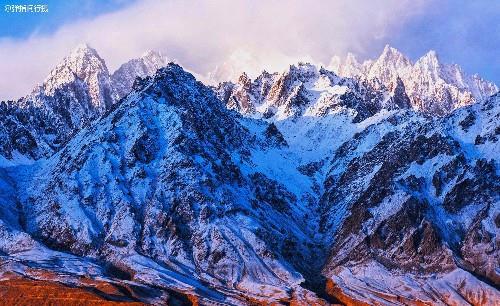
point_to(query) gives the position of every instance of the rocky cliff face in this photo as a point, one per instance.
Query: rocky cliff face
(304, 89)
(394, 181)
(301, 188)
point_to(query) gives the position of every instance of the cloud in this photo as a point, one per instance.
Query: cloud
(220, 38)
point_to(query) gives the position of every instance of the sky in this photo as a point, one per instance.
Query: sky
(222, 38)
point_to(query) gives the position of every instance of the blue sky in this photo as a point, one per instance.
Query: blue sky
(462, 32)
(227, 36)
(60, 13)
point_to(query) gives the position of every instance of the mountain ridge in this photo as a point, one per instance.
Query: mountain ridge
(300, 187)
(426, 79)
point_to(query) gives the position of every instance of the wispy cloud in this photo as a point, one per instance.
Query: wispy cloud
(202, 35)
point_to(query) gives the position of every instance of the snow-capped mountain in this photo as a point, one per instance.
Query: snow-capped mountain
(433, 87)
(169, 194)
(302, 187)
(146, 65)
(75, 93)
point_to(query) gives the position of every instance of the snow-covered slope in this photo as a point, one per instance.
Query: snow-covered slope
(416, 199)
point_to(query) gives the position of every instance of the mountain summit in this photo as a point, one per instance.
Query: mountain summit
(146, 65)
(85, 66)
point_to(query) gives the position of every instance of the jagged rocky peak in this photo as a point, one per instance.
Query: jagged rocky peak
(431, 58)
(83, 65)
(240, 96)
(77, 91)
(433, 87)
(335, 64)
(154, 58)
(388, 66)
(83, 50)
(244, 79)
(482, 88)
(297, 75)
(265, 75)
(351, 67)
(303, 70)
(290, 82)
(347, 66)
(390, 54)
(179, 85)
(429, 65)
(146, 65)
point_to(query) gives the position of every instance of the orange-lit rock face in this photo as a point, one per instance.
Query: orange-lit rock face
(335, 291)
(34, 292)
(52, 289)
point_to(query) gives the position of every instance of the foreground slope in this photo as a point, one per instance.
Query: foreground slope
(413, 210)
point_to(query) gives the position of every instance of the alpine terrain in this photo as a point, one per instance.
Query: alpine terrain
(372, 183)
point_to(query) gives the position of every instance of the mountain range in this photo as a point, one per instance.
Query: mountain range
(356, 184)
